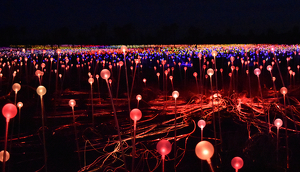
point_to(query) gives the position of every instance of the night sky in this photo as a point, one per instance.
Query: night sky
(175, 20)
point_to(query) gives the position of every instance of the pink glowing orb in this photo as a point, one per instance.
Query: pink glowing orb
(41, 90)
(164, 147)
(20, 105)
(283, 90)
(157, 74)
(175, 94)
(59, 75)
(195, 74)
(138, 97)
(91, 80)
(7, 156)
(97, 76)
(16, 87)
(120, 63)
(123, 48)
(257, 71)
(237, 163)
(144, 80)
(214, 53)
(9, 111)
(269, 68)
(135, 114)
(171, 78)
(58, 51)
(274, 78)
(105, 74)
(210, 71)
(221, 70)
(204, 150)
(278, 122)
(201, 123)
(37, 73)
(72, 103)
(185, 68)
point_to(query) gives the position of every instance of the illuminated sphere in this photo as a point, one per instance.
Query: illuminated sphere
(97, 76)
(278, 122)
(105, 74)
(204, 150)
(138, 97)
(144, 80)
(121, 63)
(41, 90)
(269, 68)
(72, 102)
(9, 111)
(195, 74)
(123, 48)
(201, 123)
(91, 80)
(214, 53)
(7, 156)
(210, 71)
(20, 104)
(37, 73)
(171, 78)
(257, 71)
(237, 163)
(16, 87)
(135, 114)
(164, 147)
(175, 94)
(283, 90)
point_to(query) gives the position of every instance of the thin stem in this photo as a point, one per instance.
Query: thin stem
(133, 145)
(116, 121)
(175, 136)
(43, 129)
(93, 120)
(5, 144)
(76, 138)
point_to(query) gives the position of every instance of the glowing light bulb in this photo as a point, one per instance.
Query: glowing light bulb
(105, 74)
(7, 156)
(269, 68)
(278, 122)
(283, 90)
(163, 147)
(123, 48)
(135, 114)
(91, 80)
(175, 94)
(72, 103)
(138, 97)
(201, 123)
(210, 71)
(257, 72)
(204, 150)
(195, 74)
(9, 111)
(237, 163)
(20, 105)
(214, 53)
(41, 90)
(16, 87)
